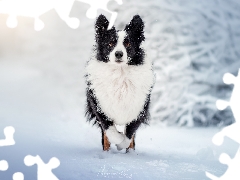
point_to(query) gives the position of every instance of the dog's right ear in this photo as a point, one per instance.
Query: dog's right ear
(101, 25)
(136, 29)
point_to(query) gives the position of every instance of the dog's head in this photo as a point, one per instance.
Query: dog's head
(120, 47)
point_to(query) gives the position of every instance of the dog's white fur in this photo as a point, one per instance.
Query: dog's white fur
(114, 136)
(124, 144)
(120, 90)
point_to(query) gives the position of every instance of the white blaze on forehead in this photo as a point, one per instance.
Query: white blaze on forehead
(121, 36)
(119, 47)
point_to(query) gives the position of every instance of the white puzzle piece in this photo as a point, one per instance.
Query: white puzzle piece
(3, 165)
(44, 171)
(18, 176)
(232, 131)
(36, 8)
(8, 141)
(232, 172)
(101, 4)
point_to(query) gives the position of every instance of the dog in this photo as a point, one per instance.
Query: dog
(119, 81)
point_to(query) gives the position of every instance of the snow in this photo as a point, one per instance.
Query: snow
(42, 95)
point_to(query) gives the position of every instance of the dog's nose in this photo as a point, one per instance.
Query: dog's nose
(119, 54)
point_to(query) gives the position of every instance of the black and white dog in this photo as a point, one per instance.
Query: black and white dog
(119, 79)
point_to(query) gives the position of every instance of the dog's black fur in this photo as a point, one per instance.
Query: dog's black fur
(135, 36)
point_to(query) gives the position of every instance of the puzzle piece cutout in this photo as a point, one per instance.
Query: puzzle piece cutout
(9, 133)
(233, 172)
(18, 176)
(101, 4)
(3, 165)
(232, 131)
(234, 100)
(8, 141)
(44, 170)
(36, 8)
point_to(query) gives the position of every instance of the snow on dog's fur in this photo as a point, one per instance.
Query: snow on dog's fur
(120, 79)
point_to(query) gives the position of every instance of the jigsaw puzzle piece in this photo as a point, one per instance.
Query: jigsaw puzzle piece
(25, 8)
(232, 131)
(63, 8)
(18, 176)
(212, 177)
(229, 78)
(234, 100)
(35, 9)
(8, 141)
(44, 170)
(97, 4)
(232, 172)
(221, 104)
(3, 165)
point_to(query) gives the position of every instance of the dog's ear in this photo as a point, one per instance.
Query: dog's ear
(136, 29)
(101, 24)
(101, 27)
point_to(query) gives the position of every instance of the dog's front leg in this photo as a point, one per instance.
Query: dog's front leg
(102, 120)
(105, 125)
(113, 135)
(130, 131)
(110, 134)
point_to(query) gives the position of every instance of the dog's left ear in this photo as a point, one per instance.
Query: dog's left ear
(101, 26)
(136, 29)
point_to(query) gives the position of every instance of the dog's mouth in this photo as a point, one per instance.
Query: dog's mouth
(118, 60)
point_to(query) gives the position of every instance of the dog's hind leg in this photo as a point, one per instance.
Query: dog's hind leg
(132, 144)
(105, 141)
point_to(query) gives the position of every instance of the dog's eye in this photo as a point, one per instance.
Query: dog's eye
(128, 44)
(111, 44)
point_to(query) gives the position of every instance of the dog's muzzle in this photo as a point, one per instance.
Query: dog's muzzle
(118, 55)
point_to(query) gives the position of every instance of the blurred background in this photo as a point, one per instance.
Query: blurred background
(192, 44)
(44, 46)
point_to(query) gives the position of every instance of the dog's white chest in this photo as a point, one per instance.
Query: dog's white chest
(120, 90)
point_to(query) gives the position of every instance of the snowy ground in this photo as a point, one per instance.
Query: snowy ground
(42, 95)
(36, 106)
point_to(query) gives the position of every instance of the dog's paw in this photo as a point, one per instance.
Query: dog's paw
(114, 136)
(124, 144)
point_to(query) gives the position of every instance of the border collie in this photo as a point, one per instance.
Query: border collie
(119, 82)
